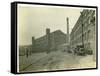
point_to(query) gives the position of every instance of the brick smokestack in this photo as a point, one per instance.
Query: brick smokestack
(67, 35)
(48, 39)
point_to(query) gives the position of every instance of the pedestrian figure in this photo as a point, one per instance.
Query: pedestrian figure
(26, 52)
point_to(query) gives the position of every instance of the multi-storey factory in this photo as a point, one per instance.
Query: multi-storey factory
(84, 31)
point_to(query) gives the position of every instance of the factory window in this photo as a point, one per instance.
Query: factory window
(93, 20)
(80, 38)
(89, 34)
(85, 24)
(89, 20)
(85, 35)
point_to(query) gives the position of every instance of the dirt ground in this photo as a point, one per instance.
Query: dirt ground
(55, 61)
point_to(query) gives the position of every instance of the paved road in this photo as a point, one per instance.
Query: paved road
(24, 62)
(59, 61)
(53, 61)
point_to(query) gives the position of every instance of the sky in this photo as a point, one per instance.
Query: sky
(34, 19)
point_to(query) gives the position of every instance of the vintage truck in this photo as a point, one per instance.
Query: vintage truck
(80, 50)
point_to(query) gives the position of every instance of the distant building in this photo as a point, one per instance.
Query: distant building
(84, 31)
(48, 42)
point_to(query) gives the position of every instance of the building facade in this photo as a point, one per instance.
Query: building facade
(48, 42)
(84, 31)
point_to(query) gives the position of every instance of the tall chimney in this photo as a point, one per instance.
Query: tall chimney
(48, 39)
(67, 30)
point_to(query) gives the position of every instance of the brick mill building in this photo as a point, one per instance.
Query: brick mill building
(84, 31)
(51, 41)
(48, 42)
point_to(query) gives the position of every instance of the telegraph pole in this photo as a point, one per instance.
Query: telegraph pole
(82, 30)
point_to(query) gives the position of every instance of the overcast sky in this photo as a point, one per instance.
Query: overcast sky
(33, 20)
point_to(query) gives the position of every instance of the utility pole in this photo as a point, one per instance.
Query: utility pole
(82, 30)
(33, 45)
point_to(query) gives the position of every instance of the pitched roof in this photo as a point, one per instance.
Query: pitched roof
(55, 32)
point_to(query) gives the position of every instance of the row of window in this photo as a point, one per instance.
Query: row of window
(86, 36)
(79, 29)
